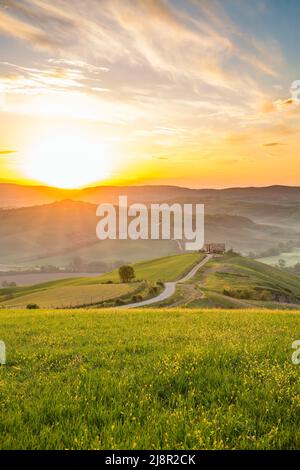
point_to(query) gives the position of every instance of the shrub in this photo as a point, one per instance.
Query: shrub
(32, 307)
(265, 295)
(9, 284)
(153, 290)
(137, 298)
(246, 294)
(119, 302)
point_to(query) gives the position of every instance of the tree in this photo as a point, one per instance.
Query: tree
(9, 284)
(282, 264)
(32, 307)
(126, 273)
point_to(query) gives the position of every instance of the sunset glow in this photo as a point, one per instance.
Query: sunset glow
(192, 93)
(67, 161)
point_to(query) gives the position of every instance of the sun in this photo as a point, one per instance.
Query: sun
(68, 161)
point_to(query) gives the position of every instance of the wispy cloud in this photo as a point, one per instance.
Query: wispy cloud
(150, 32)
(57, 76)
(162, 72)
(12, 26)
(272, 144)
(7, 152)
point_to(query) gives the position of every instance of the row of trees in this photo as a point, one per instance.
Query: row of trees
(8, 284)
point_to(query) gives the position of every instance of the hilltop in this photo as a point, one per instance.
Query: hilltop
(233, 281)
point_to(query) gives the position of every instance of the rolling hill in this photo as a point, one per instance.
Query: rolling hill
(96, 290)
(235, 281)
(165, 269)
(229, 281)
(13, 195)
(56, 233)
(74, 296)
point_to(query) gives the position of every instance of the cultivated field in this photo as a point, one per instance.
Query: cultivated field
(83, 291)
(71, 296)
(168, 379)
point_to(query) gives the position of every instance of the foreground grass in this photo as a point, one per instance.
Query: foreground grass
(149, 379)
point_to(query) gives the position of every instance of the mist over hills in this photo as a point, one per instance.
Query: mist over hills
(56, 232)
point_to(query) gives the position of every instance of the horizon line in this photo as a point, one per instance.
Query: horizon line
(84, 188)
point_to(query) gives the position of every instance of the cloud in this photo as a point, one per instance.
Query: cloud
(272, 144)
(153, 33)
(58, 76)
(237, 138)
(267, 106)
(14, 27)
(286, 104)
(80, 64)
(182, 71)
(7, 152)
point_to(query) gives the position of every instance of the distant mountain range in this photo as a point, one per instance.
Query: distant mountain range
(12, 195)
(39, 226)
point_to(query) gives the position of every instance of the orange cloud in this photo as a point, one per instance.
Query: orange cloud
(7, 152)
(11, 26)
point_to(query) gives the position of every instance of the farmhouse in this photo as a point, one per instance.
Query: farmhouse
(215, 248)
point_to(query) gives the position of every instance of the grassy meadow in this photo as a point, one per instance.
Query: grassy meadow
(236, 272)
(233, 281)
(169, 268)
(100, 379)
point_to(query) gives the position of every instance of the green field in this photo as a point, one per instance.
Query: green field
(245, 282)
(169, 268)
(229, 281)
(82, 291)
(169, 379)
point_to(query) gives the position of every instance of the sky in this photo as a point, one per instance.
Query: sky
(191, 93)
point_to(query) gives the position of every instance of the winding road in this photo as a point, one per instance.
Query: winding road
(170, 287)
